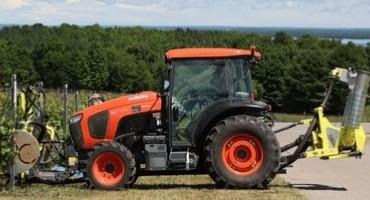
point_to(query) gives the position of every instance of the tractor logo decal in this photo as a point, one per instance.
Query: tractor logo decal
(137, 97)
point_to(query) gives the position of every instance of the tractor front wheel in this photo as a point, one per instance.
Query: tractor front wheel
(242, 151)
(110, 166)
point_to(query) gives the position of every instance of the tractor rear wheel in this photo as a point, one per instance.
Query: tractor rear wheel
(242, 151)
(110, 166)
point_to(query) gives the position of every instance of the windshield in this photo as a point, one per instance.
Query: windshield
(198, 76)
(240, 80)
(199, 83)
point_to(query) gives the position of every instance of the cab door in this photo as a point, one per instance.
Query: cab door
(196, 84)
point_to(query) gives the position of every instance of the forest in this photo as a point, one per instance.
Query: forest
(291, 76)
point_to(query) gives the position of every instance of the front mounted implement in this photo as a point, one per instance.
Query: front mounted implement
(324, 140)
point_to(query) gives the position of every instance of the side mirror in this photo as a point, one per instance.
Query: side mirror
(166, 85)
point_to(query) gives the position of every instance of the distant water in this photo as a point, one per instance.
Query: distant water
(359, 36)
(361, 42)
(356, 33)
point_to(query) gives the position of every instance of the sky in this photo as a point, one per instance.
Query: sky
(247, 13)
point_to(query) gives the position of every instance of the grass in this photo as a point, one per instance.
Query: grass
(287, 117)
(156, 187)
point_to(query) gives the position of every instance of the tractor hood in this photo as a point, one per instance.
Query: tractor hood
(123, 101)
(91, 125)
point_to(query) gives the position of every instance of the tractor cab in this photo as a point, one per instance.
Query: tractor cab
(204, 82)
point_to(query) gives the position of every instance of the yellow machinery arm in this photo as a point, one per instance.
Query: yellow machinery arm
(330, 142)
(324, 140)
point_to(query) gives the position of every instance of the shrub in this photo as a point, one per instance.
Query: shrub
(6, 124)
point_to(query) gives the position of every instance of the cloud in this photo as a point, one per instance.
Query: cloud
(318, 13)
(72, 1)
(138, 7)
(12, 4)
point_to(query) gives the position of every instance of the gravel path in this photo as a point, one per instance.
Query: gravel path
(334, 179)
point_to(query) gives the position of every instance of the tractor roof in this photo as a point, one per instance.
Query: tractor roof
(210, 53)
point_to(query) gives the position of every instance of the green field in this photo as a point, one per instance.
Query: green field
(156, 187)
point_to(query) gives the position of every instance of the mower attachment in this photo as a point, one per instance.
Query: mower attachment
(324, 140)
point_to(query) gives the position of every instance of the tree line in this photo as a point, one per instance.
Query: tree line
(291, 75)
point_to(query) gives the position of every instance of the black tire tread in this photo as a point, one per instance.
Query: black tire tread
(111, 146)
(221, 181)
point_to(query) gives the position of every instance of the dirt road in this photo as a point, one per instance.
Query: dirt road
(335, 179)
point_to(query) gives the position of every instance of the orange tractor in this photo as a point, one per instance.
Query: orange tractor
(204, 121)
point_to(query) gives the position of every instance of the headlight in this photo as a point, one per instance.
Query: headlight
(75, 119)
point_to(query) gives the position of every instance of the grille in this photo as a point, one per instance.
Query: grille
(76, 133)
(98, 125)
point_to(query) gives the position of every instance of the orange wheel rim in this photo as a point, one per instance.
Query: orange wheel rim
(242, 154)
(108, 168)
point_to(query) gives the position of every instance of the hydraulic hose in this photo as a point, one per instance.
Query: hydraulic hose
(328, 92)
(304, 143)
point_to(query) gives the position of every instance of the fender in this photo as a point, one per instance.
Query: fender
(210, 117)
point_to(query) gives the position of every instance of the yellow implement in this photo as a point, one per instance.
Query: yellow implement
(324, 140)
(331, 142)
